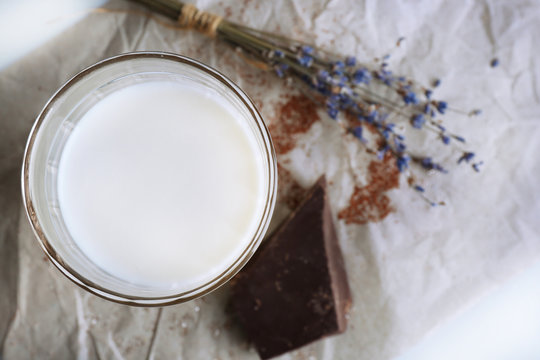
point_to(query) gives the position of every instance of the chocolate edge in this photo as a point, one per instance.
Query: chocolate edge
(336, 265)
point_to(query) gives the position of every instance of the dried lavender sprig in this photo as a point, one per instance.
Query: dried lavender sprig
(346, 86)
(340, 84)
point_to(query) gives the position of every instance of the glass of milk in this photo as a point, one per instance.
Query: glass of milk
(149, 179)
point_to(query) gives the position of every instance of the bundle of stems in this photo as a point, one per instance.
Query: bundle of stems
(358, 96)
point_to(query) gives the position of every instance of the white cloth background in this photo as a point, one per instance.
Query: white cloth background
(408, 273)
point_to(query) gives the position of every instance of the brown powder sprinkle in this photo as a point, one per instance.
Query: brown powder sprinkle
(367, 203)
(294, 116)
(370, 203)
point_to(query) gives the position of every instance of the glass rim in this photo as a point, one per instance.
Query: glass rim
(217, 281)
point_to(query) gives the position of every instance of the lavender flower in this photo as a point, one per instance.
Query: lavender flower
(350, 61)
(361, 75)
(467, 156)
(332, 112)
(402, 162)
(418, 121)
(445, 139)
(476, 166)
(358, 132)
(369, 93)
(410, 98)
(442, 106)
(305, 60)
(428, 164)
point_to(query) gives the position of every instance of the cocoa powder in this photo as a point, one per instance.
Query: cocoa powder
(370, 203)
(294, 117)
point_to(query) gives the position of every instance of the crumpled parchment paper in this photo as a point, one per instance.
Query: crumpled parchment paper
(408, 273)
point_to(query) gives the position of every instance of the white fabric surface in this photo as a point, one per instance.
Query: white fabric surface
(408, 273)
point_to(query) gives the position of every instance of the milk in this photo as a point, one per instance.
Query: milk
(161, 184)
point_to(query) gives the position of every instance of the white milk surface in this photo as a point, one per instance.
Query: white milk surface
(160, 184)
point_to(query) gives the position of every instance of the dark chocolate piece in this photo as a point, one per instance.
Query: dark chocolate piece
(295, 291)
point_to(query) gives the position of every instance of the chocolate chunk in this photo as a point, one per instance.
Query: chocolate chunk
(295, 291)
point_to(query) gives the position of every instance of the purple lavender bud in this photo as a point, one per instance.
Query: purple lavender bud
(361, 75)
(437, 82)
(400, 147)
(358, 132)
(323, 89)
(280, 69)
(402, 79)
(350, 61)
(332, 112)
(403, 162)
(445, 139)
(348, 102)
(442, 128)
(307, 50)
(279, 53)
(305, 60)
(428, 94)
(338, 72)
(427, 163)
(476, 166)
(467, 156)
(439, 168)
(427, 109)
(494, 62)
(419, 188)
(400, 137)
(372, 117)
(386, 57)
(418, 121)
(442, 106)
(459, 138)
(323, 75)
(410, 98)
(339, 65)
(334, 99)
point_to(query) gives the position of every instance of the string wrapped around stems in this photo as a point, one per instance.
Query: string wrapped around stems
(369, 98)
